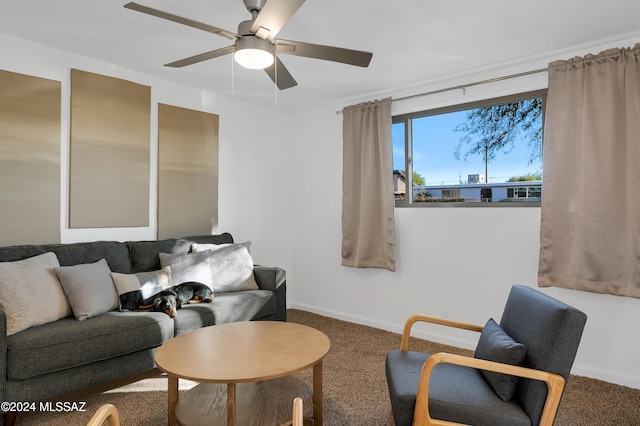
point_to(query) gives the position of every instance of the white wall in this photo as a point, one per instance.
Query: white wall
(251, 175)
(457, 263)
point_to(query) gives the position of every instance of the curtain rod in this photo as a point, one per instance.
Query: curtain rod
(464, 86)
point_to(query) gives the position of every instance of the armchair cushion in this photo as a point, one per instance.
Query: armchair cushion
(456, 393)
(496, 345)
(551, 340)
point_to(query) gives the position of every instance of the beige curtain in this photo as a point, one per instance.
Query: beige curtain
(368, 239)
(590, 229)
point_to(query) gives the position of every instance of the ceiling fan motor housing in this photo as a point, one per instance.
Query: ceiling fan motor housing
(244, 28)
(256, 5)
(253, 42)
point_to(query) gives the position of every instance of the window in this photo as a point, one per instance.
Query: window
(483, 153)
(531, 192)
(450, 193)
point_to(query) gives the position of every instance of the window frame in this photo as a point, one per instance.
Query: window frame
(408, 146)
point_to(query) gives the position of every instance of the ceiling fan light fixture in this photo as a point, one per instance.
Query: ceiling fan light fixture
(253, 52)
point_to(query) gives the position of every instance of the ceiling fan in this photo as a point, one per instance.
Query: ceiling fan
(256, 44)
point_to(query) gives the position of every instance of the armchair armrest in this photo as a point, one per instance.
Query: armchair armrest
(406, 333)
(555, 385)
(106, 413)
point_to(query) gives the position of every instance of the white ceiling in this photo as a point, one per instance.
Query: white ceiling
(413, 41)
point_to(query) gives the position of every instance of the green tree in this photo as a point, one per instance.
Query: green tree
(418, 179)
(526, 178)
(492, 129)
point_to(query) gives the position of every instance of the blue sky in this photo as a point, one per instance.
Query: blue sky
(434, 142)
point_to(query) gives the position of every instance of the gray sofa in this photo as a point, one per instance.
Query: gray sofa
(50, 360)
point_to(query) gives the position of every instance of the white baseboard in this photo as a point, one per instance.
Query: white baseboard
(387, 326)
(578, 369)
(605, 376)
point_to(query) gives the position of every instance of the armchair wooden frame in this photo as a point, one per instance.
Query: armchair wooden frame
(298, 410)
(106, 413)
(554, 382)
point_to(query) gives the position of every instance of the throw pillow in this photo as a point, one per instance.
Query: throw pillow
(30, 293)
(188, 267)
(89, 288)
(134, 288)
(496, 345)
(231, 266)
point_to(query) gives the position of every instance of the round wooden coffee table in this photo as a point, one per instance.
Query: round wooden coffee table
(257, 355)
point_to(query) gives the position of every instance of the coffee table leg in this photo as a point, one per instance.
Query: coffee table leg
(317, 394)
(231, 404)
(172, 399)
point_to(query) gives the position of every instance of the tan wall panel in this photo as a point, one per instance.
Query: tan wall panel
(187, 172)
(109, 152)
(29, 159)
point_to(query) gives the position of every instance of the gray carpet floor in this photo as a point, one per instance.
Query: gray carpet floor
(354, 384)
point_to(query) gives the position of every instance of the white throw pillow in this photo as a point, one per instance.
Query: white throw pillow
(30, 293)
(89, 288)
(231, 266)
(186, 267)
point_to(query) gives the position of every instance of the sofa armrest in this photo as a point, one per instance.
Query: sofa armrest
(269, 277)
(275, 279)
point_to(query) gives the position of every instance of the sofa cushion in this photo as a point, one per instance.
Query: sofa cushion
(226, 307)
(144, 254)
(89, 288)
(115, 253)
(30, 293)
(496, 345)
(68, 343)
(231, 266)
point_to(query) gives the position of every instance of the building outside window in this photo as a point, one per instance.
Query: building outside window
(482, 152)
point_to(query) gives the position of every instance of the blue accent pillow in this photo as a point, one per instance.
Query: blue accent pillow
(496, 345)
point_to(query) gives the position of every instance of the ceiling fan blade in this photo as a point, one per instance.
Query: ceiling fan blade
(273, 16)
(285, 79)
(201, 57)
(329, 53)
(180, 20)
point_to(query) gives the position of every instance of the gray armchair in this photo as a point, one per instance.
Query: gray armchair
(516, 377)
